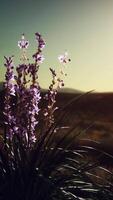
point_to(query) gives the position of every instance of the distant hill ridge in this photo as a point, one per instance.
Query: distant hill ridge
(66, 90)
(62, 90)
(70, 90)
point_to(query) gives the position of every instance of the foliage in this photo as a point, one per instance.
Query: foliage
(32, 166)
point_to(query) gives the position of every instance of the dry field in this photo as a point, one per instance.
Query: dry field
(91, 115)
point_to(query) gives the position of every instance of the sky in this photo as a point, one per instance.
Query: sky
(83, 28)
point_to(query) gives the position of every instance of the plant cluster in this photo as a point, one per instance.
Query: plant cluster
(25, 86)
(31, 167)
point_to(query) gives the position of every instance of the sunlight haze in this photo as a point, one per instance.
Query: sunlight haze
(83, 28)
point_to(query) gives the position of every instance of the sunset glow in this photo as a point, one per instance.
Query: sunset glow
(83, 28)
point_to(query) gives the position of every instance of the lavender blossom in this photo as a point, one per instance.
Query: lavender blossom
(27, 103)
(23, 120)
(33, 73)
(38, 58)
(57, 83)
(22, 75)
(28, 110)
(33, 111)
(51, 100)
(40, 41)
(28, 98)
(9, 86)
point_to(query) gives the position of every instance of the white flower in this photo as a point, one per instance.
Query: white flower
(64, 58)
(23, 43)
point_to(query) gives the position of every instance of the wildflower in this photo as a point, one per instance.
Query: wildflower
(9, 86)
(23, 43)
(9, 76)
(32, 111)
(24, 120)
(64, 58)
(39, 58)
(40, 41)
(28, 100)
(50, 97)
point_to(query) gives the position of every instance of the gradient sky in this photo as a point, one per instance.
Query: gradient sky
(82, 27)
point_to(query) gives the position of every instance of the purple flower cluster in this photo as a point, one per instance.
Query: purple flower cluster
(32, 111)
(24, 85)
(9, 76)
(28, 100)
(51, 100)
(27, 104)
(39, 58)
(10, 121)
(41, 44)
(50, 97)
(57, 83)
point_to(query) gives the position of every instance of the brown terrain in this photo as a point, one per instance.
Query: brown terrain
(92, 116)
(90, 113)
